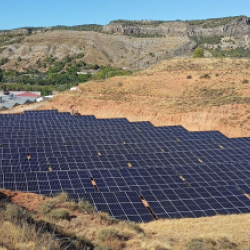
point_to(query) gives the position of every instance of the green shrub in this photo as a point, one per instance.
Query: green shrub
(47, 207)
(79, 55)
(198, 53)
(151, 54)
(3, 61)
(245, 81)
(59, 214)
(107, 234)
(205, 76)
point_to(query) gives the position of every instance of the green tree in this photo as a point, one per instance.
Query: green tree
(1, 75)
(198, 53)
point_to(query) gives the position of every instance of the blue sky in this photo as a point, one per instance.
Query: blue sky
(20, 13)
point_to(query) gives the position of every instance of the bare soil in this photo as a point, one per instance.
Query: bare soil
(165, 96)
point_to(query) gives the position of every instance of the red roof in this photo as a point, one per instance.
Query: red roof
(28, 94)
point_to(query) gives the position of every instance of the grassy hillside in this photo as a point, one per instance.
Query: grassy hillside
(57, 223)
(200, 94)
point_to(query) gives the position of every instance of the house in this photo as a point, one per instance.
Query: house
(26, 93)
(8, 103)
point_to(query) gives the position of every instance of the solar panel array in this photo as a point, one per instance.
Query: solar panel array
(133, 171)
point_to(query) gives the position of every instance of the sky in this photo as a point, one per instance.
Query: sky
(42, 13)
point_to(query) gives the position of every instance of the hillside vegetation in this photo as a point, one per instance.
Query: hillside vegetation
(116, 43)
(58, 223)
(200, 94)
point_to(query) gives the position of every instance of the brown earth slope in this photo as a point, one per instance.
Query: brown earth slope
(98, 48)
(200, 94)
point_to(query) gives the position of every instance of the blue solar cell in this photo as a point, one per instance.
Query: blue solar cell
(64, 142)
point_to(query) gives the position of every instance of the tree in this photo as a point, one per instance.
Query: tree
(198, 53)
(1, 75)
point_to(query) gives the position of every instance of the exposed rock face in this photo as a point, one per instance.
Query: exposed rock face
(176, 28)
(240, 26)
(237, 29)
(118, 43)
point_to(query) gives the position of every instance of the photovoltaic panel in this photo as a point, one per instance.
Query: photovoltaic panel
(132, 170)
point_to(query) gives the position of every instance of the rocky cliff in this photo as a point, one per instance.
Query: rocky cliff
(119, 43)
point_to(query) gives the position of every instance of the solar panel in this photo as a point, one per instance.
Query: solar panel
(133, 171)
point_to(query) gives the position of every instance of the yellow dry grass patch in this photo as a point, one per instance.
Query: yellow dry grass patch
(23, 237)
(234, 227)
(200, 64)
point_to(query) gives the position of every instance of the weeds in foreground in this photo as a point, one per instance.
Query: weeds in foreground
(63, 197)
(209, 244)
(59, 214)
(85, 206)
(47, 207)
(110, 238)
(14, 211)
(107, 234)
(106, 219)
(18, 234)
(156, 245)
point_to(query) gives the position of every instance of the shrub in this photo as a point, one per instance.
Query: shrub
(106, 218)
(47, 207)
(14, 211)
(107, 234)
(198, 53)
(245, 81)
(224, 243)
(62, 197)
(189, 77)
(152, 54)
(59, 214)
(85, 206)
(205, 76)
(72, 206)
(205, 244)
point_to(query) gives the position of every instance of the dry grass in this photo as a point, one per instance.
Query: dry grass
(107, 233)
(22, 236)
(164, 95)
(201, 64)
(234, 227)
